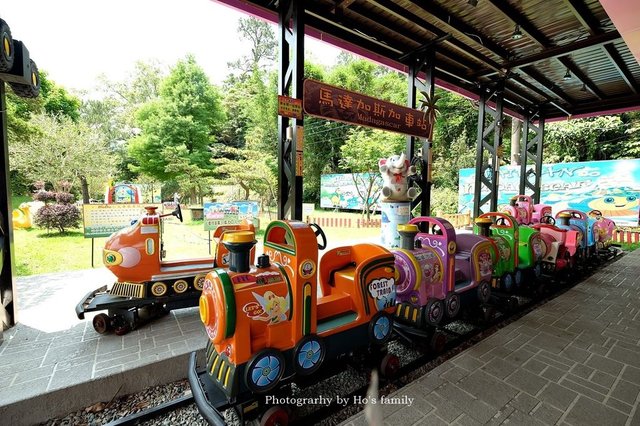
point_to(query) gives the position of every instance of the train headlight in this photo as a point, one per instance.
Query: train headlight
(111, 258)
(207, 310)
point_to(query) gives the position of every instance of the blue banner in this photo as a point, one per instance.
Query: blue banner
(611, 186)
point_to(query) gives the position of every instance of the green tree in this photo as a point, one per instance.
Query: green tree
(53, 100)
(595, 138)
(179, 129)
(62, 150)
(113, 113)
(324, 139)
(360, 155)
(251, 169)
(264, 46)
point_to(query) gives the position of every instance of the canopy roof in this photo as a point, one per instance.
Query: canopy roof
(570, 60)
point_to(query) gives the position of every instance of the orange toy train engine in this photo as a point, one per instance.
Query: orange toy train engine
(266, 323)
(144, 280)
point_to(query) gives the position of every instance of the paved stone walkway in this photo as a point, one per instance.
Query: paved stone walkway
(573, 361)
(52, 363)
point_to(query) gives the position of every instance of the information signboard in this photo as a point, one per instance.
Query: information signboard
(232, 213)
(102, 220)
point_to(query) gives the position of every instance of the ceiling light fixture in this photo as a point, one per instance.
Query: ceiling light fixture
(567, 75)
(517, 34)
(584, 88)
(473, 3)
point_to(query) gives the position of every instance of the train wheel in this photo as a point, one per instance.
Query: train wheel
(198, 282)
(507, 283)
(518, 276)
(438, 342)
(180, 286)
(389, 366)
(308, 355)
(6, 47)
(101, 323)
(265, 370)
(433, 312)
(122, 330)
(484, 292)
(275, 416)
(452, 304)
(537, 271)
(380, 328)
(159, 289)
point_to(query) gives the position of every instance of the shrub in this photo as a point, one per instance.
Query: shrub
(61, 215)
(58, 216)
(44, 196)
(64, 198)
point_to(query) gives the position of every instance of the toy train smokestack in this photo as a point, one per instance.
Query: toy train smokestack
(407, 236)
(484, 226)
(563, 219)
(239, 245)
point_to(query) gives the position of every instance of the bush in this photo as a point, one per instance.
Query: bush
(58, 216)
(64, 198)
(62, 215)
(44, 196)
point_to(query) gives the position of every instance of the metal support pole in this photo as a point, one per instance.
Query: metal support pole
(7, 275)
(425, 63)
(531, 152)
(489, 139)
(290, 79)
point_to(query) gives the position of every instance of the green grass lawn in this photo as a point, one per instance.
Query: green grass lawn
(38, 251)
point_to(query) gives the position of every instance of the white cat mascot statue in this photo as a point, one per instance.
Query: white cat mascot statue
(395, 171)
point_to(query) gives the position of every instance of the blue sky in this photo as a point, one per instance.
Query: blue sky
(77, 40)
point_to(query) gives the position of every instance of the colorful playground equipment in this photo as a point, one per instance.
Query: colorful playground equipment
(518, 250)
(123, 193)
(436, 267)
(134, 255)
(522, 208)
(603, 231)
(267, 325)
(561, 246)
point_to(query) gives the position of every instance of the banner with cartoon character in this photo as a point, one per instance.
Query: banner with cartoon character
(611, 186)
(217, 214)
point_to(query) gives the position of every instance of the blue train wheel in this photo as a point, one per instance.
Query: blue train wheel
(507, 282)
(380, 328)
(308, 355)
(264, 370)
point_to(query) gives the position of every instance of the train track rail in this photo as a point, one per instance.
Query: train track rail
(484, 323)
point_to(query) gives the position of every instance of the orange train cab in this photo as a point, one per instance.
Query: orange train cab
(146, 284)
(266, 322)
(134, 255)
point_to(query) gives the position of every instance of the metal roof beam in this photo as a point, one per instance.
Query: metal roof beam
(583, 14)
(619, 64)
(402, 13)
(555, 52)
(517, 17)
(450, 20)
(548, 84)
(582, 77)
(589, 22)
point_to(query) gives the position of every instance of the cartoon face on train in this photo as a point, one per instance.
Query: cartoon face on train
(134, 252)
